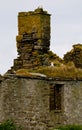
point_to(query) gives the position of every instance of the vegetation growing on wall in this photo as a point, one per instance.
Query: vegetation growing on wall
(33, 47)
(53, 57)
(68, 71)
(75, 55)
(69, 68)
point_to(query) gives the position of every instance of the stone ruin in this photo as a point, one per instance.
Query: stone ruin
(37, 102)
(33, 40)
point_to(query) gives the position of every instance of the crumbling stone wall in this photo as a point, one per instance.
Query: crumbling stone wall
(33, 40)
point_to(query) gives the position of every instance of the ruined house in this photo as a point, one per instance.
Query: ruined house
(37, 102)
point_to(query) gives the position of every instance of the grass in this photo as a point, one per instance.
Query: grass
(23, 72)
(69, 127)
(68, 71)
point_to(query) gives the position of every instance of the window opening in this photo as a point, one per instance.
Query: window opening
(55, 96)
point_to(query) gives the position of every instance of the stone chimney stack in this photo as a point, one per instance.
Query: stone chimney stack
(33, 40)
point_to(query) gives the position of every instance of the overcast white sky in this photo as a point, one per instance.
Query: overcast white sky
(66, 26)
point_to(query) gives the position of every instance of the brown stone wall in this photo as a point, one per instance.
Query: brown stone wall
(33, 40)
(34, 22)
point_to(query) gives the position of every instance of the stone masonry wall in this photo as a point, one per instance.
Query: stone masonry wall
(33, 40)
(27, 102)
(71, 100)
